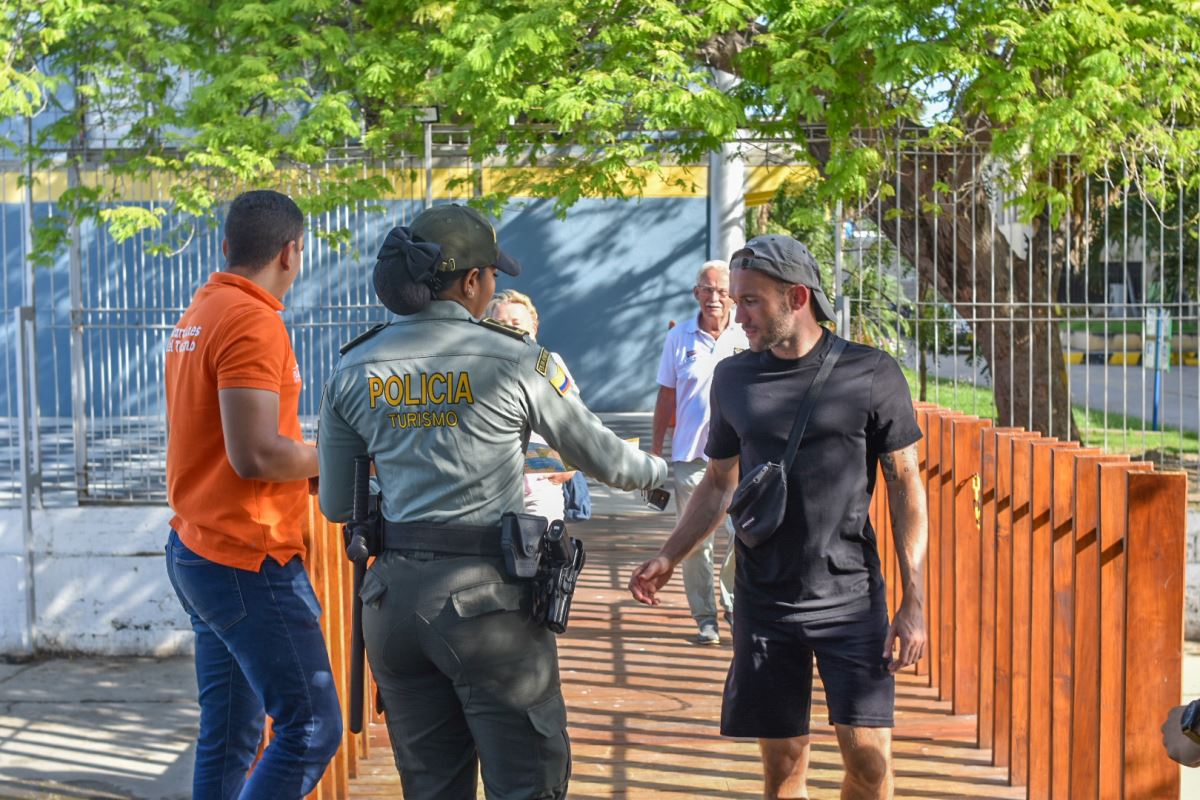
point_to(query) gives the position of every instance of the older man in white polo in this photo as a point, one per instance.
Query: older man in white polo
(690, 354)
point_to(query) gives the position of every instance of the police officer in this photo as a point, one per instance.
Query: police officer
(445, 404)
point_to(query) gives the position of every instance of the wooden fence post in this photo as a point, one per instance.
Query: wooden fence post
(1040, 614)
(1109, 734)
(1063, 469)
(1007, 447)
(966, 569)
(933, 435)
(986, 720)
(946, 525)
(923, 412)
(1073, 757)
(1020, 536)
(330, 574)
(1155, 533)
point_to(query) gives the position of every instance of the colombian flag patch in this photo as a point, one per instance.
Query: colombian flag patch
(559, 379)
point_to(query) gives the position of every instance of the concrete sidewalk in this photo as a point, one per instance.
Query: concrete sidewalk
(97, 728)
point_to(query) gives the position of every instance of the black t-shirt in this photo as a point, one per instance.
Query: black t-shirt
(822, 562)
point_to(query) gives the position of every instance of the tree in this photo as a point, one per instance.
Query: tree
(1046, 91)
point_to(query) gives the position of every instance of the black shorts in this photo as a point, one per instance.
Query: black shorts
(768, 692)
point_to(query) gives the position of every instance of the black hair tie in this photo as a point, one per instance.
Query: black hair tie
(419, 259)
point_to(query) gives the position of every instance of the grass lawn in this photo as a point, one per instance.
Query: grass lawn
(1108, 327)
(1116, 433)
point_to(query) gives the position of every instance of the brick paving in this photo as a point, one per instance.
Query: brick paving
(644, 703)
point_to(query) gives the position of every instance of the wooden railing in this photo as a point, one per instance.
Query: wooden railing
(332, 578)
(1054, 603)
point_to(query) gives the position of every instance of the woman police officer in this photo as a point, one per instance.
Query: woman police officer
(444, 404)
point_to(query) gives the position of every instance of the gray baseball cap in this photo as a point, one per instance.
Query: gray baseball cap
(785, 259)
(466, 238)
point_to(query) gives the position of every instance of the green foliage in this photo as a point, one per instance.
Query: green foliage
(216, 95)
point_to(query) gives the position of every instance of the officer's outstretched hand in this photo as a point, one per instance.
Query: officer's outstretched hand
(649, 578)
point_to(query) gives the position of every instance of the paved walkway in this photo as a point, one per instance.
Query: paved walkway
(644, 703)
(644, 706)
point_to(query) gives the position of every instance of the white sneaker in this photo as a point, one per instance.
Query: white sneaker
(708, 633)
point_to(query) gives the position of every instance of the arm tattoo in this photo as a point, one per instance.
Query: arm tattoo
(888, 462)
(899, 463)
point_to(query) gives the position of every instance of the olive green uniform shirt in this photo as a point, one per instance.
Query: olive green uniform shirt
(445, 405)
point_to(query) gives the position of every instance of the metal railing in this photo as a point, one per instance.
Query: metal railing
(1095, 313)
(988, 317)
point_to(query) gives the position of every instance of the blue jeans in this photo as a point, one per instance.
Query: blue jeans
(258, 649)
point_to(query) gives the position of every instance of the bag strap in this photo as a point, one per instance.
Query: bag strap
(810, 400)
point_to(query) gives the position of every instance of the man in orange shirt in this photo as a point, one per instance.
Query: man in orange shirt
(237, 471)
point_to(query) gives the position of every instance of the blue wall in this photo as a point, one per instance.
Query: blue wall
(606, 281)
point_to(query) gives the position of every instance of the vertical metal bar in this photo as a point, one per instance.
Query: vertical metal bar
(428, 165)
(1144, 308)
(78, 378)
(900, 207)
(1066, 326)
(1125, 311)
(993, 309)
(26, 376)
(838, 241)
(29, 297)
(1087, 307)
(1046, 321)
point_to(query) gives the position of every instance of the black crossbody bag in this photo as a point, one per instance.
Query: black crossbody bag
(760, 500)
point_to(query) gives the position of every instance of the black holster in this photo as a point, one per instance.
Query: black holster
(544, 554)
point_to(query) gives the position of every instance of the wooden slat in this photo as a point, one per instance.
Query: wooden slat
(1082, 753)
(880, 524)
(1040, 602)
(946, 525)
(1062, 603)
(330, 574)
(1006, 446)
(1111, 532)
(923, 411)
(1155, 533)
(966, 567)
(985, 721)
(1021, 535)
(933, 484)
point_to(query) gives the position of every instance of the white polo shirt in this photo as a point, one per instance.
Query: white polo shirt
(688, 359)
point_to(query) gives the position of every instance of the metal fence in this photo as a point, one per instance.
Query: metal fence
(101, 316)
(1083, 327)
(996, 317)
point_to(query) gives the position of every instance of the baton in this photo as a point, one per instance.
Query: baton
(356, 550)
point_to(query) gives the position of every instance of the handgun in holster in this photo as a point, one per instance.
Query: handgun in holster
(362, 536)
(543, 553)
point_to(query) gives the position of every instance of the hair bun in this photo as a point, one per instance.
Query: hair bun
(397, 293)
(417, 258)
(405, 272)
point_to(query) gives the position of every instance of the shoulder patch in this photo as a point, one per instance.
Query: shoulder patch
(560, 379)
(500, 327)
(362, 337)
(543, 362)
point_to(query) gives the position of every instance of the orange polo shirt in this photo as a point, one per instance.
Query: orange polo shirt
(230, 337)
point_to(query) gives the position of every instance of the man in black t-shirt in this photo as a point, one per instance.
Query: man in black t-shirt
(814, 587)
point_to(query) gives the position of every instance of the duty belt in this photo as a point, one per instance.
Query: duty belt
(462, 540)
